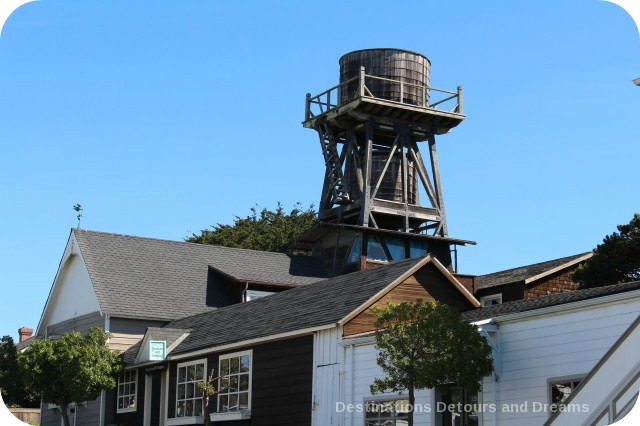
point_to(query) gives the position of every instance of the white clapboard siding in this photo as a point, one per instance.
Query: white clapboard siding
(534, 350)
(611, 390)
(362, 369)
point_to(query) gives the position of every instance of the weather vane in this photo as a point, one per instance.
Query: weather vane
(78, 209)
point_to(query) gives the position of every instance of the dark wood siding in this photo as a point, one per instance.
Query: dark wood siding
(409, 290)
(510, 292)
(82, 324)
(555, 283)
(281, 383)
(427, 284)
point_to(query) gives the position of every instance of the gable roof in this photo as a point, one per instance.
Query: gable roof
(320, 304)
(528, 273)
(148, 278)
(547, 301)
(171, 336)
(325, 303)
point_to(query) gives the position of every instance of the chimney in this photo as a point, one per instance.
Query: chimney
(25, 333)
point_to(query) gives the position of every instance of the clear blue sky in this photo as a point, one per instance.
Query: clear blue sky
(162, 118)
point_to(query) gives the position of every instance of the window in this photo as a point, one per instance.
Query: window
(418, 248)
(387, 412)
(494, 299)
(127, 391)
(560, 390)
(234, 382)
(396, 248)
(189, 401)
(461, 406)
(354, 256)
(256, 294)
(375, 251)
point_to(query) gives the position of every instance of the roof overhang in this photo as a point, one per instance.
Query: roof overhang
(240, 280)
(563, 307)
(320, 228)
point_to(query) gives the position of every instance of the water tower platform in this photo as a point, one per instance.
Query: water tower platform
(435, 111)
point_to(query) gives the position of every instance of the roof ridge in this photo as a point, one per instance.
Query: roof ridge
(569, 258)
(114, 234)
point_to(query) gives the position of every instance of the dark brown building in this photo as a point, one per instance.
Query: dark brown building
(525, 282)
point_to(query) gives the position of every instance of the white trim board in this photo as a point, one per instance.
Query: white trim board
(558, 268)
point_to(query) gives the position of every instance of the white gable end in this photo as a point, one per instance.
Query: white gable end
(72, 294)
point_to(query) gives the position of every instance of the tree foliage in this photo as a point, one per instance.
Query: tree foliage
(72, 369)
(423, 345)
(265, 230)
(12, 383)
(616, 260)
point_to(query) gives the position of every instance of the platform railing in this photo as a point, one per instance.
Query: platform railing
(363, 86)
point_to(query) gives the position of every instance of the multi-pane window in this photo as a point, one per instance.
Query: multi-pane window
(391, 412)
(127, 391)
(234, 382)
(189, 400)
(560, 391)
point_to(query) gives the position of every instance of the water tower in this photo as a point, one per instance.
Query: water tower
(370, 127)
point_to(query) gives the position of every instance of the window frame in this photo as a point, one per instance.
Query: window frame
(579, 378)
(129, 395)
(178, 383)
(491, 297)
(380, 399)
(223, 357)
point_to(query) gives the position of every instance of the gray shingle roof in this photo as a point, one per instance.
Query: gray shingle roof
(322, 303)
(547, 301)
(521, 273)
(159, 279)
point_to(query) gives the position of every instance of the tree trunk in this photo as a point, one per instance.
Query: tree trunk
(207, 410)
(64, 411)
(412, 403)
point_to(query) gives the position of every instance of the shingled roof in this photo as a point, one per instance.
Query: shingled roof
(547, 301)
(320, 304)
(140, 277)
(522, 273)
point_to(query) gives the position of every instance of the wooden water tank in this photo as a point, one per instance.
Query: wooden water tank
(395, 64)
(391, 185)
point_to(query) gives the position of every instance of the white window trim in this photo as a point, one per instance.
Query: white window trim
(235, 415)
(191, 419)
(561, 379)
(135, 394)
(491, 297)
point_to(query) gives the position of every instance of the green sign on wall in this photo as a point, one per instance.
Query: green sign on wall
(157, 350)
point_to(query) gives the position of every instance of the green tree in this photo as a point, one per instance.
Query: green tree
(71, 369)
(12, 383)
(266, 230)
(424, 345)
(616, 260)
